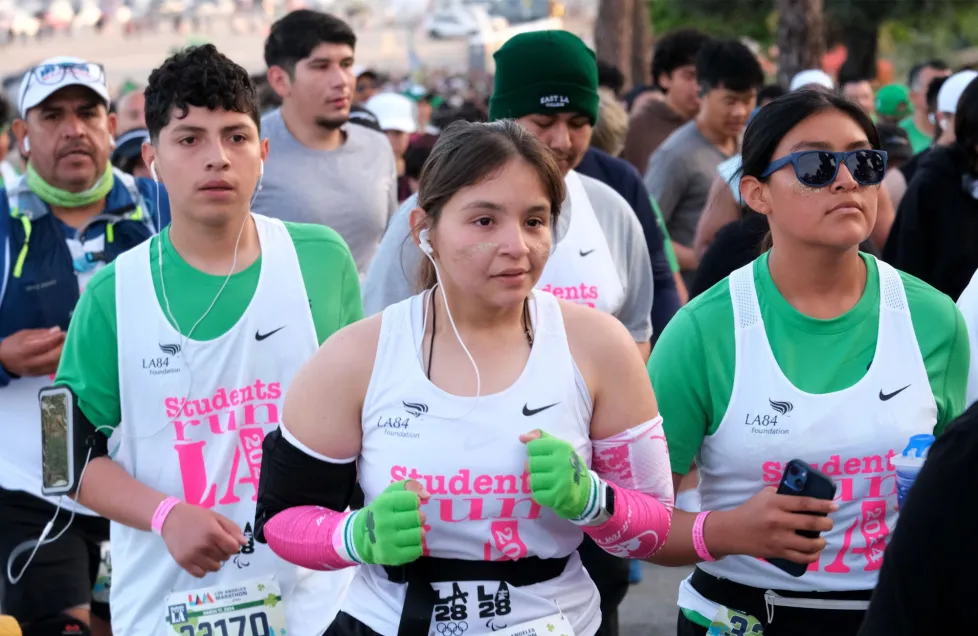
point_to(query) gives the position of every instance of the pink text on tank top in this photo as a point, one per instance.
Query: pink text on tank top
(871, 480)
(503, 500)
(242, 412)
(582, 294)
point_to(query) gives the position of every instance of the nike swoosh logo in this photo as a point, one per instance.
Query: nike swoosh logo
(527, 411)
(261, 336)
(887, 396)
(583, 253)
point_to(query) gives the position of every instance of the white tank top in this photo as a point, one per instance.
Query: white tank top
(209, 453)
(581, 268)
(850, 435)
(481, 506)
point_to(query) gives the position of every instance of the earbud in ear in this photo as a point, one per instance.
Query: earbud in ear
(261, 168)
(152, 171)
(424, 242)
(27, 144)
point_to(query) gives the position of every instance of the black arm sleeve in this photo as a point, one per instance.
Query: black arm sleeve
(926, 585)
(291, 477)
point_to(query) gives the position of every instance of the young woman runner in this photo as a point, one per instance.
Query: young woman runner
(814, 351)
(477, 484)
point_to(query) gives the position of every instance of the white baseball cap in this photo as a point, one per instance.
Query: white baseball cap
(951, 90)
(812, 76)
(56, 73)
(393, 111)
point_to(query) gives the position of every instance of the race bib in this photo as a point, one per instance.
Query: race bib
(103, 582)
(484, 607)
(730, 622)
(253, 608)
(555, 625)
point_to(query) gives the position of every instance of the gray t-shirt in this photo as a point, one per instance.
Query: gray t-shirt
(352, 189)
(679, 176)
(394, 274)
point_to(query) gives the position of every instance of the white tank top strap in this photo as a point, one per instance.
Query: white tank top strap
(746, 309)
(546, 316)
(894, 296)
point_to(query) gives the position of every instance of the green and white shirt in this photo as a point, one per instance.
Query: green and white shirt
(188, 416)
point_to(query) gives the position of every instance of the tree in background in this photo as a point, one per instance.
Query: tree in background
(641, 59)
(801, 37)
(614, 33)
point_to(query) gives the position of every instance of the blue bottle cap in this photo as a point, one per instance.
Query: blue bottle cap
(918, 445)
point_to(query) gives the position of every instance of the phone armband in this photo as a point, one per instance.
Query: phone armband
(68, 441)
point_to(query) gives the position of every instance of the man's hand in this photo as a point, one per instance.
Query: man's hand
(559, 478)
(200, 540)
(32, 352)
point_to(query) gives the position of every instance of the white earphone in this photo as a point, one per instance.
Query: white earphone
(152, 171)
(27, 144)
(424, 242)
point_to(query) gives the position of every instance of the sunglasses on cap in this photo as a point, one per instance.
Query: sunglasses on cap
(48, 74)
(818, 168)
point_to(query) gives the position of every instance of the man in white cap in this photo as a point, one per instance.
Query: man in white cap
(397, 118)
(812, 78)
(67, 216)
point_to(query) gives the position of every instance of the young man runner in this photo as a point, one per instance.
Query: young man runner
(62, 220)
(199, 333)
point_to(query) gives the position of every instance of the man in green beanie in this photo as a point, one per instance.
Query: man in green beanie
(548, 82)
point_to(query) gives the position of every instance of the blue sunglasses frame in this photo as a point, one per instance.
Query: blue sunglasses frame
(840, 158)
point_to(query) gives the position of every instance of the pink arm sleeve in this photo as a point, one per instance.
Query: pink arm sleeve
(636, 465)
(311, 537)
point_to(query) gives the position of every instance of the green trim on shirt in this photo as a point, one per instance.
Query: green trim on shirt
(89, 361)
(692, 364)
(666, 241)
(918, 140)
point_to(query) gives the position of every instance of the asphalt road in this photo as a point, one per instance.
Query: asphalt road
(650, 607)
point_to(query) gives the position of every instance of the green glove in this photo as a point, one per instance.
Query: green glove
(388, 531)
(559, 478)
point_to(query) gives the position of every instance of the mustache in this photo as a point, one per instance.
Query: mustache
(76, 147)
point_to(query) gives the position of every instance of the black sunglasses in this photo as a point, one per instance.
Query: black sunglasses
(818, 168)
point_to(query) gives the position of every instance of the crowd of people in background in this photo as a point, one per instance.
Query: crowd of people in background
(767, 251)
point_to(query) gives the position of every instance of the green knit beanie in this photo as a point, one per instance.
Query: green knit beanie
(544, 72)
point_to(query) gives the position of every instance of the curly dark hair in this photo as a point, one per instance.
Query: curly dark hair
(198, 76)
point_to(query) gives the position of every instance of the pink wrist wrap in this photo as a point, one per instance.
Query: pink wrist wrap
(636, 465)
(310, 537)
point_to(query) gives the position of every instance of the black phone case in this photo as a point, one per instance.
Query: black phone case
(818, 486)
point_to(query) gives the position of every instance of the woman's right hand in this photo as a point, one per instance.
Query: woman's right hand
(390, 531)
(766, 527)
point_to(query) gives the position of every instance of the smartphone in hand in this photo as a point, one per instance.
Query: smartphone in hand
(801, 480)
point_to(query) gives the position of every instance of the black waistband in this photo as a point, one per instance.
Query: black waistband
(421, 597)
(750, 600)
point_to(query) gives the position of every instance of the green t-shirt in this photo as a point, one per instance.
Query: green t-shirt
(692, 364)
(328, 271)
(918, 140)
(666, 241)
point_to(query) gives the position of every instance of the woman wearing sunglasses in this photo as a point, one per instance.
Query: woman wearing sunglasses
(814, 351)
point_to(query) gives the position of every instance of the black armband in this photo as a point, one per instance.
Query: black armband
(291, 477)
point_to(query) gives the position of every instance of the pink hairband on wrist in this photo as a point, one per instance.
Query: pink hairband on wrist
(162, 512)
(699, 543)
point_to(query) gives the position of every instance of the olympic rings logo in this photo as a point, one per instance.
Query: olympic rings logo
(452, 628)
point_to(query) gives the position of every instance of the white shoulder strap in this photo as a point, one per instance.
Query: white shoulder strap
(893, 295)
(743, 296)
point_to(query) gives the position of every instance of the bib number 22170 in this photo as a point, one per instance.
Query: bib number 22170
(249, 609)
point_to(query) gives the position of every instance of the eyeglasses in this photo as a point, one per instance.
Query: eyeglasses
(48, 74)
(818, 168)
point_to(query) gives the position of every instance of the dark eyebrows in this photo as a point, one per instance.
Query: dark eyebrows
(187, 128)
